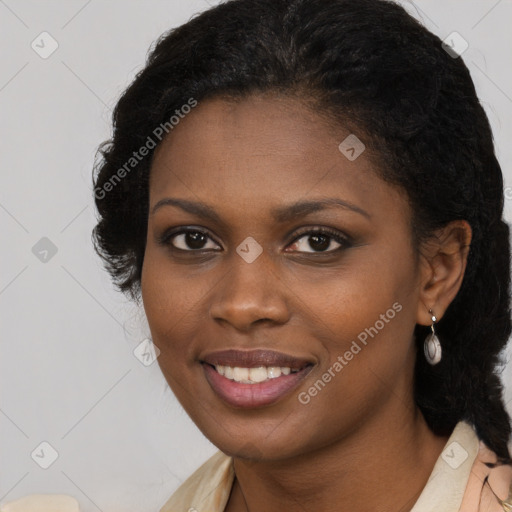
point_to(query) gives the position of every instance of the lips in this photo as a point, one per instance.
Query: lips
(254, 358)
(255, 378)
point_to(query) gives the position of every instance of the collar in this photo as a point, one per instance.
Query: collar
(210, 486)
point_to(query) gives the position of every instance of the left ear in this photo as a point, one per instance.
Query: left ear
(444, 260)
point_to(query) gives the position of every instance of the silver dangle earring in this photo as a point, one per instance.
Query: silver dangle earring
(432, 347)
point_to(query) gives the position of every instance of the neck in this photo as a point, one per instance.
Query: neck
(355, 473)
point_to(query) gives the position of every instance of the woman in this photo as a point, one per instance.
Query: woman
(305, 197)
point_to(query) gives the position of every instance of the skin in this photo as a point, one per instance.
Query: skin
(244, 159)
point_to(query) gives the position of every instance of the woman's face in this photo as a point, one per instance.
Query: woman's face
(320, 324)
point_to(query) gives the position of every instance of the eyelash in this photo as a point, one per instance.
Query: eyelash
(344, 241)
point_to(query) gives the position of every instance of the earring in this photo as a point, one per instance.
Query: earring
(432, 346)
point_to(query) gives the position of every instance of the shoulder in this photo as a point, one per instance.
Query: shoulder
(466, 477)
(42, 503)
(208, 488)
(489, 486)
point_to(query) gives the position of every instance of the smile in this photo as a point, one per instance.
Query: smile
(253, 375)
(257, 378)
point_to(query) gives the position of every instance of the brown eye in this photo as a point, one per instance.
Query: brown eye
(320, 240)
(188, 240)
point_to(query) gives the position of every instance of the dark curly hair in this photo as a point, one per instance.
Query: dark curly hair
(370, 66)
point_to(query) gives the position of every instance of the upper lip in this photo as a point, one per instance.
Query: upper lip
(254, 358)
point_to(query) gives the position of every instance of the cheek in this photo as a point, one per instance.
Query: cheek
(170, 301)
(171, 305)
(371, 301)
(365, 321)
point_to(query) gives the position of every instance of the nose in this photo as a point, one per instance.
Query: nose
(250, 294)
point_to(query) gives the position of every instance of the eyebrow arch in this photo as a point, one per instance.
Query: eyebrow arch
(280, 214)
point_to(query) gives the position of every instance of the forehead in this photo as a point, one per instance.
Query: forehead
(263, 150)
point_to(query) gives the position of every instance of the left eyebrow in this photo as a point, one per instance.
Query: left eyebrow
(285, 213)
(281, 214)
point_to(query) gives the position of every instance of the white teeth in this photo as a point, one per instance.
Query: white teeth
(275, 371)
(240, 374)
(258, 374)
(252, 375)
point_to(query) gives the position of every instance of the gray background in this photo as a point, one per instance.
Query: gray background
(68, 372)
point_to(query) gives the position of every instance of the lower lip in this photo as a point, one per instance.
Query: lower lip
(238, 394)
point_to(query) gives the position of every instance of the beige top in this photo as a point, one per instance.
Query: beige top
(42, 503)
(456, 483)
(460, 482)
